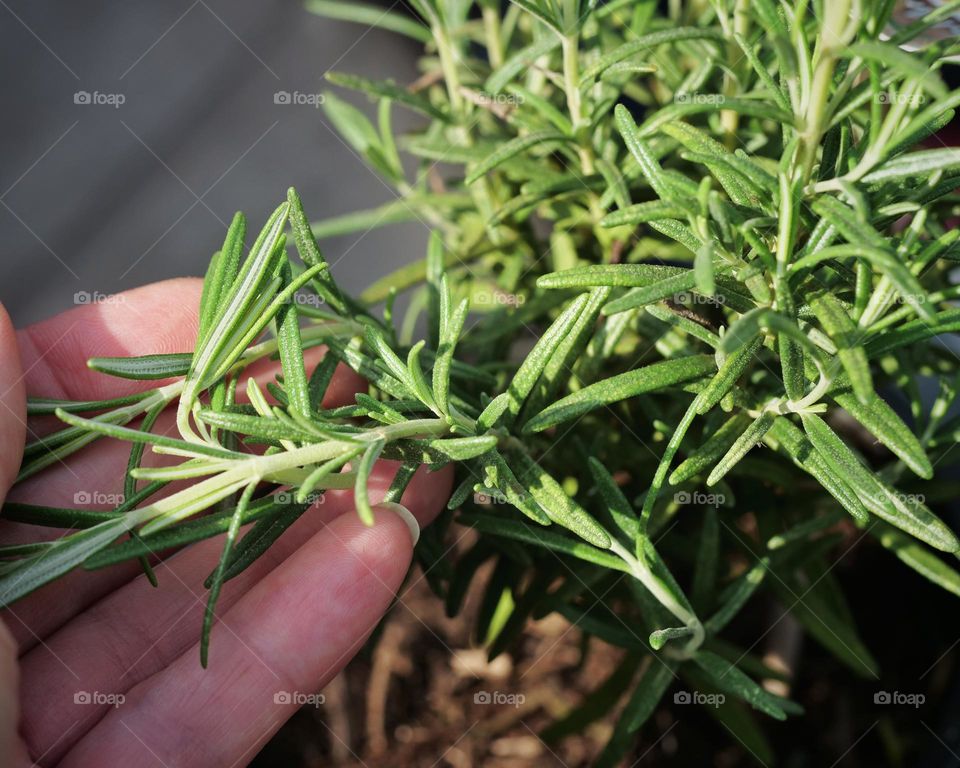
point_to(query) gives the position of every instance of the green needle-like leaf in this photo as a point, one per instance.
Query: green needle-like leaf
(360, 494)
(556, 542)
(614, 275)
(217, 578)
(557, 504)
(641, 705)
(146, 367)
(388, 90)
(731, 680)
(849, 340)
(899, 510)
(370, 16)
(710, 452)
(751, 436)
(529, 372)
(59, 558)
(290, 346)
(511, 149)
(651, 378)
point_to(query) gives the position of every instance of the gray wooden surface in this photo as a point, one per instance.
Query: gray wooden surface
(96, 198)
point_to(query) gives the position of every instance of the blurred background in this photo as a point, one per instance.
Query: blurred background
(181, 129)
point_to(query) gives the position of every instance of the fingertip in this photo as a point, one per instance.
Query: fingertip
(407, 516)
(293, 631)
(425, 496)
(385, 548)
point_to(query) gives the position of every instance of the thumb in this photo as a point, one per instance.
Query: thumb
(13, 412)
(13, 405)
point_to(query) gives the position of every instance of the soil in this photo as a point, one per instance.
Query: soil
(423, 692)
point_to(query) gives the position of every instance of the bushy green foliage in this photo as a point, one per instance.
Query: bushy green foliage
(676, 261)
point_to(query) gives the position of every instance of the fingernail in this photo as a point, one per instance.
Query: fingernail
(406, 515)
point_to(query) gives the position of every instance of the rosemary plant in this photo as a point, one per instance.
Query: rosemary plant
(679, 262)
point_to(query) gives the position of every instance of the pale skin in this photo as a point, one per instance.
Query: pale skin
(286, 626)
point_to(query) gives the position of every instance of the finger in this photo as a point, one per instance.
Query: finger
(92, 480)
(292, 633)
(135, 632)
(13, 751)
(154, 319)
(97, 472)
(158, 318)
(13, 407)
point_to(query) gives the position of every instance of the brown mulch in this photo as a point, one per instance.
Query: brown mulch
(427, 695)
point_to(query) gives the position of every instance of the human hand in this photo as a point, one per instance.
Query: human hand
(109, 670)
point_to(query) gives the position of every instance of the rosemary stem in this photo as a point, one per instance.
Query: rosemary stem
(451, 73)
(642, 572)
(491, 27)
(571, 82)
